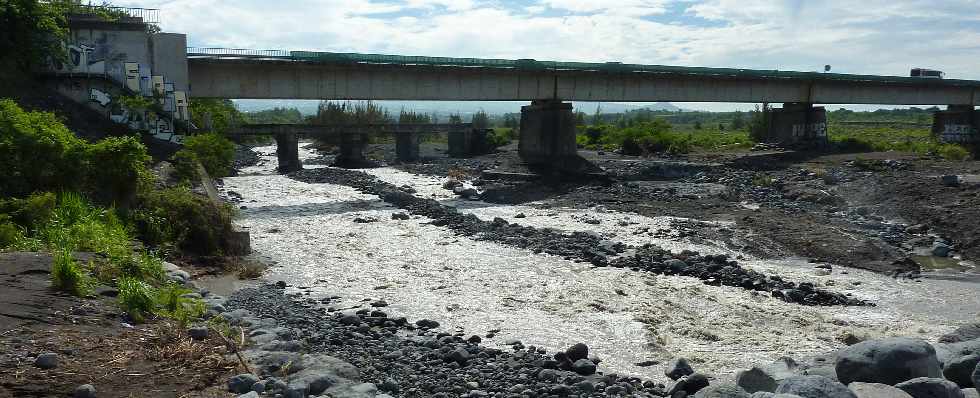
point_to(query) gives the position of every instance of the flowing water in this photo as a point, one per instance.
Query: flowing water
(625, 317)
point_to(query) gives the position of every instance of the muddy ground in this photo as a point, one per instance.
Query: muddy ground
(877, 211)
(94, 343)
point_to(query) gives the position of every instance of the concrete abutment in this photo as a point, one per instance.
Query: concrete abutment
(407, 147)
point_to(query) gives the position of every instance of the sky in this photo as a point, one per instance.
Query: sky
(886, 37)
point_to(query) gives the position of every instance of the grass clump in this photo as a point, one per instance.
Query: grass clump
(953, 152)
(68, 276)
(170, 302)
(135, 297)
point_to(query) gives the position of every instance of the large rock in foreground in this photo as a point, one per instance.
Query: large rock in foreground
(927, 387)
(875, 390)
(887, 361)
(814, 387)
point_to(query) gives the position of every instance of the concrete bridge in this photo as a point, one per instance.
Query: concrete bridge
(464, 141)
(547, 125)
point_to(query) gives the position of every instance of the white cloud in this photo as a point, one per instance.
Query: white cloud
(875, 37)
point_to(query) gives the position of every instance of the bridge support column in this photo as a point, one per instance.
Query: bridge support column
(798, 124)
(352, 150)
(460, 143)
(407, 147)
(287, 150)
(957, 124)
(547, 132)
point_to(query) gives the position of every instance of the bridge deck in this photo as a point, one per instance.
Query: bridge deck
(339, 129)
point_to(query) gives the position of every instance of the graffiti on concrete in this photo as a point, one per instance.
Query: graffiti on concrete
(100, 97)
(960, 133)
(810, 130)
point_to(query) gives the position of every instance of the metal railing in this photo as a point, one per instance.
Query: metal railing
(147, 15)
(235, 52)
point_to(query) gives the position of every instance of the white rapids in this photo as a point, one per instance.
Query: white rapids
(625, 317)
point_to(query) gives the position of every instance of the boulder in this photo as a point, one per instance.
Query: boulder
(876, 390)
(577, 351)
(677, 368)
(960, 370)
(755, 380)
(766, 394)
(722, 391)
(766, 377)
(84, 391)
(930, 387)
(48, 360)
(242, 383)
(814, 387)
(887, 361)
(976, 376)
(198, 332)
(584, 367)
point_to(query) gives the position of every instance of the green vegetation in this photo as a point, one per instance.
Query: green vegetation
(33, 33)
(68, 276)
(38, 153)
(274, 116)
(58, 194)
(658, 136)
(135, 297)
(501, 136)
(176, 218)
(214, 152)
(919, 140)
(214, 115)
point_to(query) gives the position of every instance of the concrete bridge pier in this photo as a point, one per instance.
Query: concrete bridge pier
(407, 147)
(352, 149)
(957, 124)
(466, 143)
(547, 132)
(287, 150)
(460, 143)
(798, 124)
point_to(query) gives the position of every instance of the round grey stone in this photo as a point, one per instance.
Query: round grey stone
(242, 383)
(887, 361)
(84, 391)
(814, 387)
(876, 390)
(48, 360)
(722, 391)
(960, 370)
(930, 387)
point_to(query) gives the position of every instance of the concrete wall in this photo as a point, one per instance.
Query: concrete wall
(266, 79)
(957, 125)
(797, 124)
(169, 58)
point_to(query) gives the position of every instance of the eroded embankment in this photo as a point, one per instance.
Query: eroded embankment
(712, 269)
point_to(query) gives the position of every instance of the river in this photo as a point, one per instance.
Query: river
(625, 317)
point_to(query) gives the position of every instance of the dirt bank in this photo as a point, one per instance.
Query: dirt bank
(93, 343)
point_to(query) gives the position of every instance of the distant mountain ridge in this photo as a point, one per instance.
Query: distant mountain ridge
(445, 108)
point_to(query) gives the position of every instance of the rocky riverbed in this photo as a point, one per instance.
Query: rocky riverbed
(335, 241)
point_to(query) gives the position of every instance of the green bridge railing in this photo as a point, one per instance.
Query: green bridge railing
(535, 65)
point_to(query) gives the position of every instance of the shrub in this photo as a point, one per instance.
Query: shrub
(953, 152)
(195, 223)
(37, 152)
(10, 233)
(67, 275)
(135, 297)
(31, 212)
(216, 153)
(117, 165)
